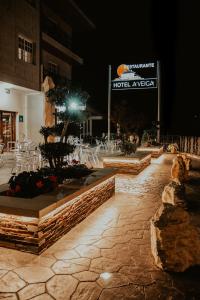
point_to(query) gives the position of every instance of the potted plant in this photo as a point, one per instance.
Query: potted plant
(128, 148)
(173, 148)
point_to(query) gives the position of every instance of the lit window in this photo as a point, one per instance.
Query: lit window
(25, 50)
(53, 68)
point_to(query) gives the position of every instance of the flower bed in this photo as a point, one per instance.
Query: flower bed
(34, 224)
(32, 184)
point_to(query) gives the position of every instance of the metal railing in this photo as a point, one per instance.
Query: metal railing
(188, 144)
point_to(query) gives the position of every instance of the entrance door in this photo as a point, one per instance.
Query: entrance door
(7, 127)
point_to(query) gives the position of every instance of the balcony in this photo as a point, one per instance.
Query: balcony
(51, 44)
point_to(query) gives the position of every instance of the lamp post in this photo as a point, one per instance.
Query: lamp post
(158, 115)
(75, 106)
(109, 99)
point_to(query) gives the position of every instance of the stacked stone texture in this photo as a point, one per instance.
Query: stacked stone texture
(126, 167)
(37, 234)
(157, 153)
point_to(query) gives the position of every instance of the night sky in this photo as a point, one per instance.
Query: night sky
(144, 31)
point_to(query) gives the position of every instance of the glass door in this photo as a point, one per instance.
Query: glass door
(7, 127)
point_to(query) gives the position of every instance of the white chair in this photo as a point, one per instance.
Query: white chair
(26, 161)
(1, 159)
(2, 146)
(11, 145)
(86, 158)
(90, 156)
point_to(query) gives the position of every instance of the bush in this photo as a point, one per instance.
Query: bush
(173, 148)
(69, 172)
(128, 148)
(31, 184)
(55, 152)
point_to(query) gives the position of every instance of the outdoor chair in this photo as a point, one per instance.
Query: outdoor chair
(26, 161)
(11, 145)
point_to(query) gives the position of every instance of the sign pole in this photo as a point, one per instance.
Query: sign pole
(109, 99)
(158, 115)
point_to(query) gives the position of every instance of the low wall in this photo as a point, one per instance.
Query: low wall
(126, 165)
(35, 234)
(155, 151)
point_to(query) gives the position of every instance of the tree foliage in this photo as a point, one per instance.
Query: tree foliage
(69, 104)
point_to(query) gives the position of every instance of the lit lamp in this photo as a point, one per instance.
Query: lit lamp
(76, 106)
(73, 106)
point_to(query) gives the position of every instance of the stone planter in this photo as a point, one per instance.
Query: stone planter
(32, 225)
(128, 164)
(155, 151)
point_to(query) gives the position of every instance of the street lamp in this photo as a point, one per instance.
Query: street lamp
(73, 106)
(76, 106)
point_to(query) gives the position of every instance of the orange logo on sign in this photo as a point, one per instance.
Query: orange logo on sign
(121, 69)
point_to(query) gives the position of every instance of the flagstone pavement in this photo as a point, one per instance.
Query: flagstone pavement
(105, 257)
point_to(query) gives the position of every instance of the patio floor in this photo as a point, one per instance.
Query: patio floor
(107, 256)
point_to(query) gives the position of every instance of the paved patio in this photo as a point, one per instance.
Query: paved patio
(105, 257)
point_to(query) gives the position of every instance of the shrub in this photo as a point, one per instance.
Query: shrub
(31, 184)
(128, 148)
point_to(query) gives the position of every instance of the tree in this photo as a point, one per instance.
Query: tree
(70, 107)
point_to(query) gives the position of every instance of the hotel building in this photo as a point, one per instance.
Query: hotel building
(35, 41)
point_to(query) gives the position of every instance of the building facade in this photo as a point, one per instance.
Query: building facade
(35, 41)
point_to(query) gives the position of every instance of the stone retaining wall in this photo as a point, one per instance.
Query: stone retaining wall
(127, 165)
(52, 226)
(37, 234)
(19, 232)
(155, 151)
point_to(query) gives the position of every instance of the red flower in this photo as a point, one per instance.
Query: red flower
(17, 188)
(53, 178)
(75, 162)
(39, 184)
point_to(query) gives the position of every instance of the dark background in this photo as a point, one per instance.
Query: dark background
(143, 31)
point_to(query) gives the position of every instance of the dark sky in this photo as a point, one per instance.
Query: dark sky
(142, 31)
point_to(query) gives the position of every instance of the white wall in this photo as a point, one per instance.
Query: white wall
(30, 106)
(35, 116)
(15, 102)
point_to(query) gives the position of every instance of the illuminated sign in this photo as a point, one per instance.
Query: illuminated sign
(128, 79)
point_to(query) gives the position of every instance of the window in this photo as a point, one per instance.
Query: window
(25, 50)
(52, 68)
